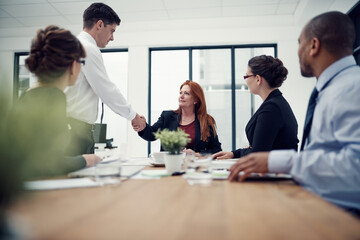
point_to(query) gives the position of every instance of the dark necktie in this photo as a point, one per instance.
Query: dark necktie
(309, 117)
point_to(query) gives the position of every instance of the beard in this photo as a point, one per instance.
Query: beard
(306, 70)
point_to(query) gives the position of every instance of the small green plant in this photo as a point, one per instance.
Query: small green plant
(172, 141)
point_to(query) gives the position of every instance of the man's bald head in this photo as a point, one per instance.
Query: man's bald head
(335, 31)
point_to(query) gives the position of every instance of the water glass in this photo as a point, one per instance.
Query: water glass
(108, 173)
(198, 170)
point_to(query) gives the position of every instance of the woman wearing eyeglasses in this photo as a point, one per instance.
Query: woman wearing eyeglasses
(273, 126)
(38, 129)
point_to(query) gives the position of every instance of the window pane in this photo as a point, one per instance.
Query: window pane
(212, 70)
(265, 51)
(169, 69)
(116, 65)
(26, 78)
(243, 96)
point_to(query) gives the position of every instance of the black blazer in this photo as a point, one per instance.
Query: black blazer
(273, 126)
(169, 120)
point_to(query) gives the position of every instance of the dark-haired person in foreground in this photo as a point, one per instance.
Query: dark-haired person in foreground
(37, 129)
(100, 22)
(329, 161)
(273, 126)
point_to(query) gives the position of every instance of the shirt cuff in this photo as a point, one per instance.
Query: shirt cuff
(236, 154)
(132, 115)
(280, 161)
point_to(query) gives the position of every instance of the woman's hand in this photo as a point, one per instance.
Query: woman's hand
(190, 151)
(223, 155)
(91, 159)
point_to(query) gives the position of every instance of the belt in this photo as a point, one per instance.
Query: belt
(78, 123)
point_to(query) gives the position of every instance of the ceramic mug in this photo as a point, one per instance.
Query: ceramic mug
(158, 157)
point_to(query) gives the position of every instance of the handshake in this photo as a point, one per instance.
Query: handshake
(138, 123)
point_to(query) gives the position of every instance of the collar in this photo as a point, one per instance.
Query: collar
(274, 93)
(88, 37)
(334, 69)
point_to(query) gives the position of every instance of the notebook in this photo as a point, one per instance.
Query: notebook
(126, 171)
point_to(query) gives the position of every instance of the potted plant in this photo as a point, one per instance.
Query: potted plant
(173, 142)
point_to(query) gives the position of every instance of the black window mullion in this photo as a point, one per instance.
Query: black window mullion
(16, 77)
(190, 64)
(233, 99)
(149, 99)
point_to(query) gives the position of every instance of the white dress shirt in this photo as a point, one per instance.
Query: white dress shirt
(92, 83)
(329, 165)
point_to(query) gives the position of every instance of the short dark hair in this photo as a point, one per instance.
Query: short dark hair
(99, 11)
(335, 31)
(270, 68)
(53, 50)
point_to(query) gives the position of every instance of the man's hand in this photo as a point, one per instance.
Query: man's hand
(223, 155)
(252, 163)
(138, 123)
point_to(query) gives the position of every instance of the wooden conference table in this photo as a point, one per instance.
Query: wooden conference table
(169, 208)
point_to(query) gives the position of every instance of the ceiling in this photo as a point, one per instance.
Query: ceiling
(35, 13)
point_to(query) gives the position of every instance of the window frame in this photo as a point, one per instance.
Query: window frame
(233, 76)
(16, 77)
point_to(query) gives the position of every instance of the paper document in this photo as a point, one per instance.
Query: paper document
(61, 184)
(223, 175)
(223, 164)
(151, 174)
(127, 171)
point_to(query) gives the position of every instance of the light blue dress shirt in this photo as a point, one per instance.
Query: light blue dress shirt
(329, 165)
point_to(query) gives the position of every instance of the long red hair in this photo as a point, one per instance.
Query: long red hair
(200, 109)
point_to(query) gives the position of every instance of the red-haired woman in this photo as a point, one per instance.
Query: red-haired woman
(191, 117)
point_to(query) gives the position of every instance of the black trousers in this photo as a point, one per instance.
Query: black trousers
(81, 138)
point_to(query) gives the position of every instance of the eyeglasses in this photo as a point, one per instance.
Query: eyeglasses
(247, 76)
(82, 62)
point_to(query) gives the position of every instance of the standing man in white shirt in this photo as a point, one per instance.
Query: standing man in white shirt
(329, 161)
(100, 22)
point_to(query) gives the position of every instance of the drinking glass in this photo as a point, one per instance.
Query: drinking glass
(108, 173)
(198, 170)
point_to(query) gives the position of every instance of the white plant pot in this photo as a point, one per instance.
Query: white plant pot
(173, 162)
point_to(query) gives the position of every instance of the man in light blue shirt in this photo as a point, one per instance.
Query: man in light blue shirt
(329, 164)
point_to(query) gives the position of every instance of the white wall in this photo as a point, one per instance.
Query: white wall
(138, 37)
(138, 95)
